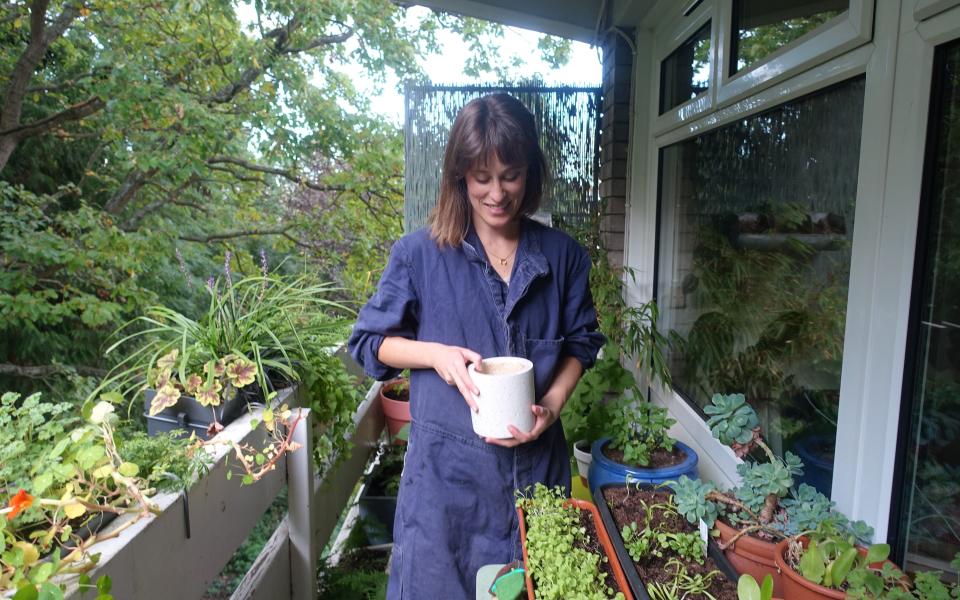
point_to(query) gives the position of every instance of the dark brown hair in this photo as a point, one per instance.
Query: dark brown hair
(494, 124)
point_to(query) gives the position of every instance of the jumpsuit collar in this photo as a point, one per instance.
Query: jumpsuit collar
(530, 264)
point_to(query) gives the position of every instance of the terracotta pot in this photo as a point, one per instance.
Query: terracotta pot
(395, 412)
(796, 586)
(604, 542)
(751, 555)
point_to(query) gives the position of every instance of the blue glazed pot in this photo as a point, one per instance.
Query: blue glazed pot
(604, 471)
(817, 470)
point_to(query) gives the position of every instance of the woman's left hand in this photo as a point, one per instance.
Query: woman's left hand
(545, 418)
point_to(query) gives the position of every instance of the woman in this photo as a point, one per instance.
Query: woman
(483, 280)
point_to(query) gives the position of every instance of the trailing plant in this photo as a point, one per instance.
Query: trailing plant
(765, 503)
(333, 396)
(684, 584)
(639, 429)
(79, 474)
(559, 559)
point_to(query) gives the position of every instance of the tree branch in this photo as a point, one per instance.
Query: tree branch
(71, 113)
(216, 237)
(290, 175)
(134, 180)
(40, 371)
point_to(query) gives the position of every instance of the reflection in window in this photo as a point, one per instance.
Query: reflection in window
(762, 26)
(685, 74)
(756, 223)
(930, 519)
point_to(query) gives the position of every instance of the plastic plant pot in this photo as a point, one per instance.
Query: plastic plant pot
(603, 470)
(581, 452)
(395, 412)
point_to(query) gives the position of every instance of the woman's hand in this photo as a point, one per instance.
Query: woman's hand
(545, 417)
(450, 363)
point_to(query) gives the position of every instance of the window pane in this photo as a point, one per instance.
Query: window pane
(685, 74)
(756, 223)
(762, 26)
(930, 520)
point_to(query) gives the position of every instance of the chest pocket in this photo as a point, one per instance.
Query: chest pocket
(544, 354)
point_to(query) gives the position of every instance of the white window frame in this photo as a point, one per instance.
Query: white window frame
(885, 223)
(668, 39)
(842, 33)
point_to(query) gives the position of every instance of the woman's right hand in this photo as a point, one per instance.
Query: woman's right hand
(450, 363)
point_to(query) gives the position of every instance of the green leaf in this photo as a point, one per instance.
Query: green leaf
(48, 591)
(766, 589)
(104, 584)
(248, 479)
(747, 588)
(88, 457)
(842, 566)
(41, 482)
(129, 469)
(877, 553)
(41, 573)
(26, 593)
(812, 564)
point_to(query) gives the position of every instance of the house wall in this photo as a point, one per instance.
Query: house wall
(888, 42)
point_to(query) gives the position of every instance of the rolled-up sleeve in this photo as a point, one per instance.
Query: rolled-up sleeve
(393, 310)
(582, 338)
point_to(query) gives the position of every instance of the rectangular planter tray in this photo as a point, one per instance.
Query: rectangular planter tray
(637, 585)
(605, 542)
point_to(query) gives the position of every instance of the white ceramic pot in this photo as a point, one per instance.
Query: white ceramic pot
(506, 396)
(581, 451)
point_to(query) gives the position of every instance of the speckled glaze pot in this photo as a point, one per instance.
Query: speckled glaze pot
(506, 396)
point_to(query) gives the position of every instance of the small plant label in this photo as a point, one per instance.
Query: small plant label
(704, 534)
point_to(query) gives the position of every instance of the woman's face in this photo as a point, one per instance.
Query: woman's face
(495, 192)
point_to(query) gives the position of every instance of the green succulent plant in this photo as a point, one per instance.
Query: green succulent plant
(731, 420)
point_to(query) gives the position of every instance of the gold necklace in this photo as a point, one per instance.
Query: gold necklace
(503, 260)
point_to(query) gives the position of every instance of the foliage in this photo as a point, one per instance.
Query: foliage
(632, 334)
(167, 461)
(192, 125)
(645, 541)
(765, 503)
(333, 397)
(749, 589)
(29, 428)
(639, 429)
(77, 475)
(258, 326)
(833, 559)
(558, 557)
(683, 585)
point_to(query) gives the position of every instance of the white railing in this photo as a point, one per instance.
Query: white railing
(178, 553)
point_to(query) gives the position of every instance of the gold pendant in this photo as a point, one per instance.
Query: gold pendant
(503, 262)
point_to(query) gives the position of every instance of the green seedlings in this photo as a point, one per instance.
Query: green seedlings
(684, 585)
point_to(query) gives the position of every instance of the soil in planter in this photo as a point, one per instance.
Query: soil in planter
(659, 458)
(399, 392)
(628, 508)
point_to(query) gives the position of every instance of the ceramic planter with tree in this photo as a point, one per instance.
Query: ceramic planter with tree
(566, 551)
(765, 508)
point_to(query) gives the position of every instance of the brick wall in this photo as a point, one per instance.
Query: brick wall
(614, 140)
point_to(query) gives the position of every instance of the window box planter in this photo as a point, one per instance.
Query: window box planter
(634, 578)
(604, 470)
(604, 539)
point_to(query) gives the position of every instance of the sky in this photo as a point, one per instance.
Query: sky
(583, 68)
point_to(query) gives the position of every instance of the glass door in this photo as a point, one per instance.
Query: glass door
(925, 523)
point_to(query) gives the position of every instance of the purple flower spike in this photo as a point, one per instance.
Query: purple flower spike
(226, 268)
(263, 262)
(183, 268)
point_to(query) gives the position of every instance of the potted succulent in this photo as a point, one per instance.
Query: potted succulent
(640, 449)
(765, 508)
(395, 402)
(566, 550)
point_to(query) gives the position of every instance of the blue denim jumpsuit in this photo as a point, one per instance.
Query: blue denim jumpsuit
(455, 508)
